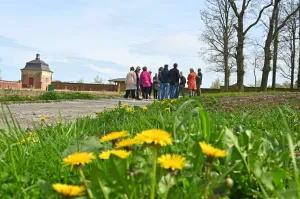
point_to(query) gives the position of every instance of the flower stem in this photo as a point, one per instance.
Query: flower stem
(209, 165)
(153, 177)
(168, 187)
(85, 183)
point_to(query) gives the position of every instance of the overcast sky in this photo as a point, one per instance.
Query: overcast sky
(84, 38)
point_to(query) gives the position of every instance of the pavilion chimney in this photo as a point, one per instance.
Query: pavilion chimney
(37, 56)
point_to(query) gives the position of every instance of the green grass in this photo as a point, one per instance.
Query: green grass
(21, 96)
(256, 139)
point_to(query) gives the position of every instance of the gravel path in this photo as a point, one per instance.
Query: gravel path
(29, 113)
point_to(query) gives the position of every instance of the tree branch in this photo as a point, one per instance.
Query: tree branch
(258, 18)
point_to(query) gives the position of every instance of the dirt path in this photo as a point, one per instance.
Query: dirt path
(29, 113)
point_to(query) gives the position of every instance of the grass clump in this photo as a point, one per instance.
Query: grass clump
(172, 149)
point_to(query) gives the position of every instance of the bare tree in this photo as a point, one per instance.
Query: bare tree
(218, 19)
(288, 48)
(241, 35)
(216, 84)
(256, 61)
(272, 33)
(80, 81)
(98, 80)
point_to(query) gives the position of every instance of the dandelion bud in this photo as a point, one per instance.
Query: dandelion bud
(229, 182)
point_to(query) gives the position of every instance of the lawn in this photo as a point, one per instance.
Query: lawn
(253, 154)
(11, 95)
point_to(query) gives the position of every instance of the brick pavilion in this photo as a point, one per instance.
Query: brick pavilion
(36, 74)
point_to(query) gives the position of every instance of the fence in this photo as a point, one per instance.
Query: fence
(10, 84)
(83, 86)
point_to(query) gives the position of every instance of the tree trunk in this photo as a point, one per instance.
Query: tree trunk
(226, 64)
(267, 49)
(298, 85)
(240, 55)
(267, 65)
(293, 55)
(275, 53)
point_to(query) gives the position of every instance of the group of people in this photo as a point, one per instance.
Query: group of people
(165, 84)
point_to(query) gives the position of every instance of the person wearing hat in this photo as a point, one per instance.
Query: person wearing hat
(137, 72)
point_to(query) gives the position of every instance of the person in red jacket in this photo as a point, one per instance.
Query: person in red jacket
(192, 82)
(145, 79)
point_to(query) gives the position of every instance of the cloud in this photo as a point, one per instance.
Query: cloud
(11, 43)
(181, 44)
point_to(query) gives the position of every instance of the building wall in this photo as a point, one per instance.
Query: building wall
(10, 84)
(46, 79)
(39, 79)
(83, 86)
(36, 75)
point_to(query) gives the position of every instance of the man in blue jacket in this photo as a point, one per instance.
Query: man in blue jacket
(164, 79)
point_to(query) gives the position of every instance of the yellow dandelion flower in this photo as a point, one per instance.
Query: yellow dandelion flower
(28, 139)
(68, 190)
(173, 100)
(125, 143)
(154, 136)
(130, 110)
(59, 123)
(173, 161)
(120, 153)
(97, 113)
(23, 141)
(113, 136)
(31, 133)
(79, 158)
(212, 152)
(145, 108)
(104, 155)
(124, 105)
(43, 118)
(167, 109)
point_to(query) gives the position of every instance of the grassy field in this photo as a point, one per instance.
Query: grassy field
(254, 155)
(11, 95)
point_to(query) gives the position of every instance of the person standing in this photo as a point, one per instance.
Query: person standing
(192, 82)
(130, 83)
(199, 81)
(146, 82)
(151, 86)
(137, 72)
(159, 74)
(164, 79)
(182, 84)
(155, 86)
(174, 81)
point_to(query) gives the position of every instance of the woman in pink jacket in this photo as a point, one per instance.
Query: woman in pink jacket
(145, 80)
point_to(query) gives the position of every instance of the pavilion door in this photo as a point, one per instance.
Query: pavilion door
(31, 81)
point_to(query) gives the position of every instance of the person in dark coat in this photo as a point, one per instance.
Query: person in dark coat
(182, 84)
(199, 81)
(174, 81)
(137, 72)
(155, 86)
(159, 73)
